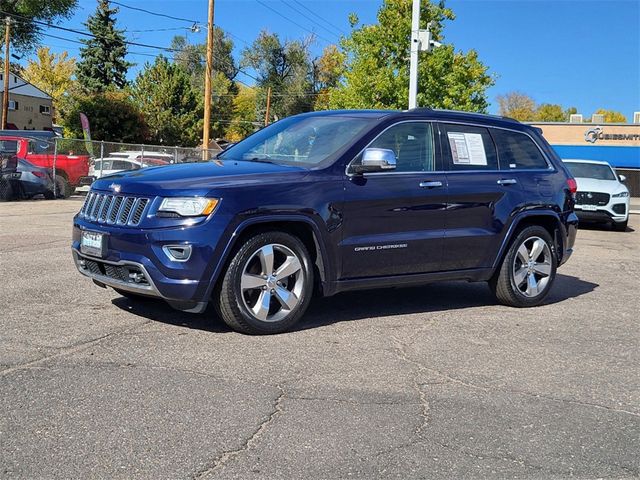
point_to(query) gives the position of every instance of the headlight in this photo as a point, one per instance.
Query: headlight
(188, 206)
(620, 195)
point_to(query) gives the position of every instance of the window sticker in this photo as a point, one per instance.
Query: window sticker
(467, 148)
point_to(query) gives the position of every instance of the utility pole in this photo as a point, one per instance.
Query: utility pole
(207, 84)
(413, 54)
(266, 115)
(5, 94)
(421, 41)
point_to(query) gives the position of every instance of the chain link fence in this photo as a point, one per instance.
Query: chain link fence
(73, 164)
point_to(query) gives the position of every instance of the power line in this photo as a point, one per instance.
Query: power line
(315, 22)
(157, 14)
(293, 21)
(341, 31)
(80, 32)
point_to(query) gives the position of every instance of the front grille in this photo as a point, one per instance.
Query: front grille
(114, 209)
(620, 208)
(592, 198)
(122, 273)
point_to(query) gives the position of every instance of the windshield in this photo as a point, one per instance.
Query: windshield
(591, 170)
(304, 141)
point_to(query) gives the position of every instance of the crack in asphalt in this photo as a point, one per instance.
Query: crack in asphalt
(228, 455)
(77, 347)
(349, 401)
(402, 353)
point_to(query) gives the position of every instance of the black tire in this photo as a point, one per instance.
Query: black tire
(6, 191)
(48, 195)
(63, 189)
(620, 226)
(233, 302)
(504, 283)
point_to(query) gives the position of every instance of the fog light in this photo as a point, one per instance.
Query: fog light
(83, 264)
(136, 276)
(177, 253)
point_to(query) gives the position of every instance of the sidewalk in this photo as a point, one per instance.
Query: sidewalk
(634, 205)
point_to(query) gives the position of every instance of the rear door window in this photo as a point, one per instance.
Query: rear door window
(468, 148)
(517, 151)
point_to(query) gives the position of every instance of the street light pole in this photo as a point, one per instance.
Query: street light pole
(413, 58)
(7, 73)
(207, 84)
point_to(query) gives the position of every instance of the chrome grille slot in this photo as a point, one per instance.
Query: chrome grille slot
(139, 210)
(114, 209)
(108, 199)
(123, 218)
(97, 207)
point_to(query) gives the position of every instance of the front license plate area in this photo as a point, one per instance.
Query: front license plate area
(590, 208)
(92, 243)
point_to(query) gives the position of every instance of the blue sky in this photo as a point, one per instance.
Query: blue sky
(582, 53)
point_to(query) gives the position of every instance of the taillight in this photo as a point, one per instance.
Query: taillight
(39, 174)
(573, 185)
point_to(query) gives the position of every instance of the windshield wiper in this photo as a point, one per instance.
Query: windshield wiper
(260, 160)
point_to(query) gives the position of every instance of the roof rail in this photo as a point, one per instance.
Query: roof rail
(418, 109)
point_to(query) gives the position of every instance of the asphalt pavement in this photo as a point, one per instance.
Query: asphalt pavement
(431, 382)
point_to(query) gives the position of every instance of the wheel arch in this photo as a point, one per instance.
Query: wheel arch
(547, 219)
(299, 226)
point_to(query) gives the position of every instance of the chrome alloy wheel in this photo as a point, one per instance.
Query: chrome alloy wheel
(531, 269)
(272, 282)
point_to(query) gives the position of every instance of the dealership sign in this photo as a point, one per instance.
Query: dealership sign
(597, 133)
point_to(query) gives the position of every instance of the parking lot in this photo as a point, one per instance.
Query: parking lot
(437, 381)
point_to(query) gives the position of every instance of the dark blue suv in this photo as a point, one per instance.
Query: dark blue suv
(326, 202)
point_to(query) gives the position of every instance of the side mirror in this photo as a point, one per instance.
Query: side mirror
(622, 178)
(376, 160)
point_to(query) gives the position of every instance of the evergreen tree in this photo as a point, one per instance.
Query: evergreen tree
(102, 64)
(164, 93)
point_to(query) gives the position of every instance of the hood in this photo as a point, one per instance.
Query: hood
(594, 185)
(192, 179)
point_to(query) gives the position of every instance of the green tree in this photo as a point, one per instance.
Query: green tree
(244, 114)
(611, 116)
(113, 116)
(192, 58)
(377, 70)
(518, 106)
(548, 112)
(164, 93)
(51, 73)
(102, 62)
(25, 34)
(328, 71)
(287, 68)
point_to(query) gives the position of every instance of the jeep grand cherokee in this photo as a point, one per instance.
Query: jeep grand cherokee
(326, 202)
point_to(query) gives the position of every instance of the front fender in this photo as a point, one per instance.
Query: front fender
(326, 258)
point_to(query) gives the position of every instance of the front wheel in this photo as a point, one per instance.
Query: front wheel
(267, 286)
(528, 269)
(63, 188)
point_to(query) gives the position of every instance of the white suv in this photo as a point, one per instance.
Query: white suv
(602, 195)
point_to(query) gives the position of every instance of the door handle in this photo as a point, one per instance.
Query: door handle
(507, 181)
(430, 184)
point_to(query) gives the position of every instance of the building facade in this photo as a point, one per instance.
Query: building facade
(29, 107)
(616, 143)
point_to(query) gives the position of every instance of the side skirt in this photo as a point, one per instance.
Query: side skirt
(471, 275)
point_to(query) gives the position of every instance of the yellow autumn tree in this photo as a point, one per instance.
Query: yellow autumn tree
(52, 73)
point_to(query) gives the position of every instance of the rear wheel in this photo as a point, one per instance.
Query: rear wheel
(267, 286)
(528, 269)
(63, 188)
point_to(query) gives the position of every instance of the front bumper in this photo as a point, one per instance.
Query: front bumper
(616, 211)
(134, 260)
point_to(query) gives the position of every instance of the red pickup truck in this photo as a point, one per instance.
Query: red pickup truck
(69, 168)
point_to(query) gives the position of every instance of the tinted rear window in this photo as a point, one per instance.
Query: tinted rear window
(516, 151)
